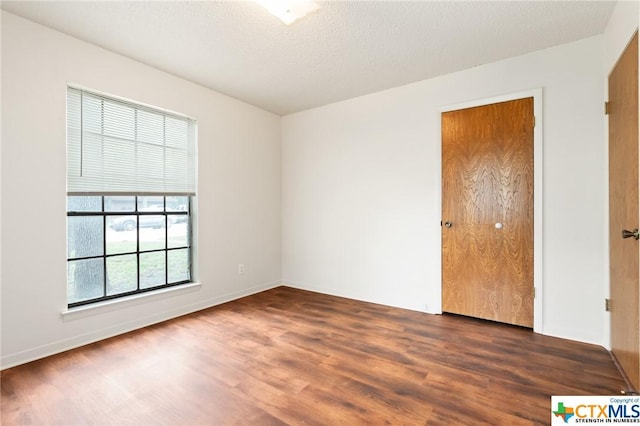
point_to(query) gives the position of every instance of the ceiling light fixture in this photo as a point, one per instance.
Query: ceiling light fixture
(289, 10)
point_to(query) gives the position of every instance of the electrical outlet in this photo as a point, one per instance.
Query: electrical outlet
(241, 268)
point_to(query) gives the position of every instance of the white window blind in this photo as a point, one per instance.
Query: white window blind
(118, 147)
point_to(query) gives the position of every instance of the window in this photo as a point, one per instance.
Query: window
(130, 183)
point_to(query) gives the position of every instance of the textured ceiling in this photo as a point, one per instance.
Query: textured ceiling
(345, 49)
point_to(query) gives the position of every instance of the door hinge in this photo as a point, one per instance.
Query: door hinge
(607, 305)
(606, 108)
(534, 121)
(534, 292)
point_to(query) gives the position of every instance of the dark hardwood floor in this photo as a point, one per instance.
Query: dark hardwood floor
(287, 356)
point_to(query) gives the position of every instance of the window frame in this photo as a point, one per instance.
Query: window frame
(106, 214)
(121, 147)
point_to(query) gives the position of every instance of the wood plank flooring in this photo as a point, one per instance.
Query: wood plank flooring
(293, 357)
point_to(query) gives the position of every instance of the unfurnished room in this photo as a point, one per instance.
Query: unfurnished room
(292, 212)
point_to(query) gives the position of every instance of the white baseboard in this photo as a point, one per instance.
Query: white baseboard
(323, 290)
(316, 289)
(569, 334)
(22, 357)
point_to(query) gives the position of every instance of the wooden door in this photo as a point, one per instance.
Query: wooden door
(487, 212)
(623, 212)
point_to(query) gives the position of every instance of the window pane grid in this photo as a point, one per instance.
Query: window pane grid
(162, 250)
(162, 235)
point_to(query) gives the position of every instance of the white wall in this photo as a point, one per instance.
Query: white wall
(361, 188)
(620, 28)
(238, 190)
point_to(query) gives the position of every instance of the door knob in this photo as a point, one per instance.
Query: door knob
(498, 225)
(448, 224)
(628, 234)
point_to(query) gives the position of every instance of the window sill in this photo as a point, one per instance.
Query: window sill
(125, 302)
